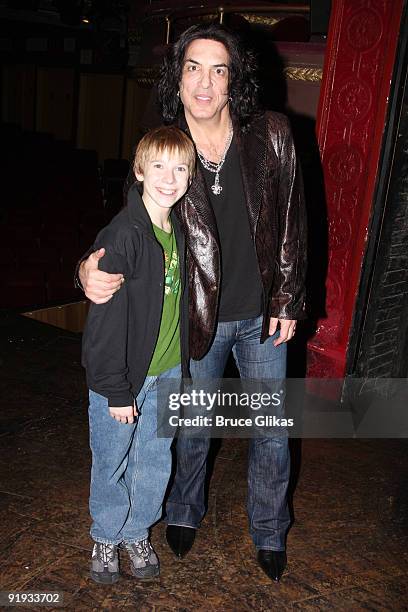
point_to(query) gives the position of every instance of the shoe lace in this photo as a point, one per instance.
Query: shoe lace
(143, 549)
(105, 553)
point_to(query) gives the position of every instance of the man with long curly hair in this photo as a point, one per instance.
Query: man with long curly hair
(245, 232)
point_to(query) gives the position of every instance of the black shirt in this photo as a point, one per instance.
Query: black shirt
(241, 289)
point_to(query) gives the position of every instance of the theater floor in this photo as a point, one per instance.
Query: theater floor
(347, 549)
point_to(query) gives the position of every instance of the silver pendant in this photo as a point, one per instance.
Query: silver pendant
(216, 188)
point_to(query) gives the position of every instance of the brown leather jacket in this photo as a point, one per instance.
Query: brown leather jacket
(274, 196)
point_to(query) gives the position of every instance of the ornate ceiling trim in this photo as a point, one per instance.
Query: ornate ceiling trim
(263, 20)
(304, 73)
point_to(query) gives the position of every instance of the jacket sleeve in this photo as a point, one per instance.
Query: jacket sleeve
(77, 281)
(288, 292)
(104, 347)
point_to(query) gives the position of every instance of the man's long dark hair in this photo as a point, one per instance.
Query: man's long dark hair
(242, 85)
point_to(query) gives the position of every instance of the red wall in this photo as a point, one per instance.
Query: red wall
(352, 112)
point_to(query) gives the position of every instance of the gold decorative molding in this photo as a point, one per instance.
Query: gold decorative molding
(147, 75)
(263, 20)
(303, 73)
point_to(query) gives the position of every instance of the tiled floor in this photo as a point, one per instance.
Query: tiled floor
(347, 549)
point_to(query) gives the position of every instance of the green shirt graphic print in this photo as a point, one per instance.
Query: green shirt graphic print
(167, 351)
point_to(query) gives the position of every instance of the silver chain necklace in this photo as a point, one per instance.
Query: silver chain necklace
(216, 168)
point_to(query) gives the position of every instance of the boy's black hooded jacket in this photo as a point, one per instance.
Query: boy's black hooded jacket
(120, 336)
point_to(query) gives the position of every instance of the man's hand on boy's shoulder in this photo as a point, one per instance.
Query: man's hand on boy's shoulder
(123, 414)
(98, 286)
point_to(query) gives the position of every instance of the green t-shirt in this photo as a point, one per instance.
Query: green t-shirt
(167, 351)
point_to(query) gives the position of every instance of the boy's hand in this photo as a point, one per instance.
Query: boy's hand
(98, 286)
(123, 414)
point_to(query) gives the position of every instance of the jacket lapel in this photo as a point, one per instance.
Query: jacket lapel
(199, 196)
(198, 193)
(252, 152)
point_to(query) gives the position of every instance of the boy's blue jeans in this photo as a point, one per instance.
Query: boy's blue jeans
(130, 467)
(268, 461)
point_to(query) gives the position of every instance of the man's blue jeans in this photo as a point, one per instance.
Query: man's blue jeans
(269, 460)
(130, 467)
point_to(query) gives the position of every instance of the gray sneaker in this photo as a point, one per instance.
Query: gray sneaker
(105, 563)
(144, 561)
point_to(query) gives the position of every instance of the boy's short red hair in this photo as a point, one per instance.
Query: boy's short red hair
(168, 138)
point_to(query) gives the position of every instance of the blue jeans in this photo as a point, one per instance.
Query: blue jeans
(269, 460)
(130, 467)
